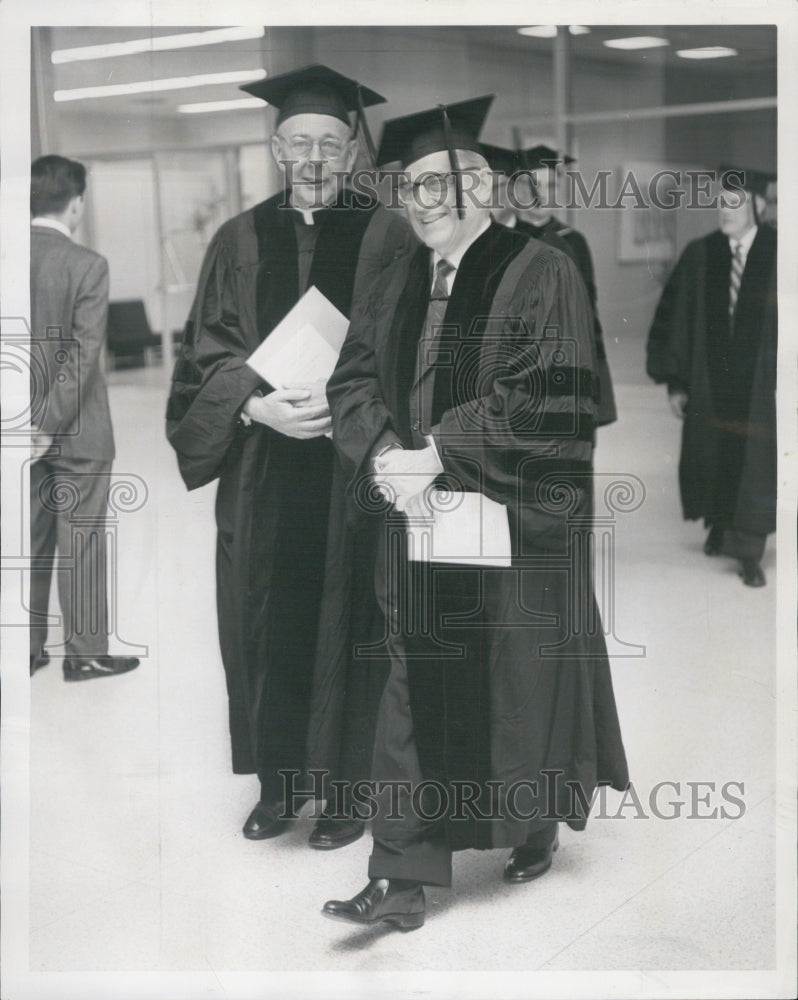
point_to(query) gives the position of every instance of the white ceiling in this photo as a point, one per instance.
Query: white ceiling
(756, 46)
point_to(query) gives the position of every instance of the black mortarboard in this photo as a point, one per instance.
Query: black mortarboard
(755, 181)
(542, 156)
(500, 159)
(317, 90)
(448, 127)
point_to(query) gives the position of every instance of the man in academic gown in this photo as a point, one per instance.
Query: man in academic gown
(713, 343)
(472, 365)
(279, 506)
(531, 191)
(505, 164)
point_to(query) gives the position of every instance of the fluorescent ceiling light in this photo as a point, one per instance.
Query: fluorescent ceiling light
(708, 52)
(539, 31)
(636, 42)
(153, 86)
(242, 102)
(160, 43)
(578, 29)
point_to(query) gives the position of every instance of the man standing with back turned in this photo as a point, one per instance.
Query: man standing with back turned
(73, 438)
(267, 445)
(473, 360)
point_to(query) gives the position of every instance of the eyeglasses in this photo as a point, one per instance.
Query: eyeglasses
(301, 146)
(434, 186)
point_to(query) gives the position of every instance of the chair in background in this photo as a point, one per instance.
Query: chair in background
(130, 339)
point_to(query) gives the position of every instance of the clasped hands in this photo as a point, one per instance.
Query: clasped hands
(403, 477)
(298, 411)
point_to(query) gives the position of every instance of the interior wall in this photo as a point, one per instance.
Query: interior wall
(627, 294)
(417, 68)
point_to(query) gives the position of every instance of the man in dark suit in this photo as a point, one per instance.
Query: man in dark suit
(73, 444)
(470, 368)
(713, 343)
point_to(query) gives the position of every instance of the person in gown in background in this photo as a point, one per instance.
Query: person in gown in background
(713, 343)
(534, 184)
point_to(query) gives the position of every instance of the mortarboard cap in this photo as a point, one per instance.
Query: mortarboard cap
(317, 90)
(447, 127)
(755, 181)
(500, 159)
(542, 156)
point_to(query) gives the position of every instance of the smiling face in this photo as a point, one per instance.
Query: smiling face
(314, 152)
(435, 220)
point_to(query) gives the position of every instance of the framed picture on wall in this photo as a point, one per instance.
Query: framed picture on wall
(648, 231)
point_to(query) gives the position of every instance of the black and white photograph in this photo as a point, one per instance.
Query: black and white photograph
(399, 483)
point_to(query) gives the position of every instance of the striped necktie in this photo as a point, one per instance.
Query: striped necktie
(440, 288)
(736, 276)
(421, 394)
(438, 299)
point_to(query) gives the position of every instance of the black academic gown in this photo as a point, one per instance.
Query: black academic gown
(279, 505)
(727, 469)
(577, 247)
(513, 415)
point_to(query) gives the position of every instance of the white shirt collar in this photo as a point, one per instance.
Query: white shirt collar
(455, 258)
(744, 241)
(42, 220)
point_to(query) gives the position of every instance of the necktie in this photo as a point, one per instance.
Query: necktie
(440, 287)
(438, 300)
(421, 395)
(735, 277)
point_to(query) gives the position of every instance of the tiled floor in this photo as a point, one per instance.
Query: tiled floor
(137, 860)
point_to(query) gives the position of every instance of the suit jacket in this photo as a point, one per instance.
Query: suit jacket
(69, 311)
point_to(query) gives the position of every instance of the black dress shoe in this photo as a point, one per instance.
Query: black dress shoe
(529, 861)
(752, 574)
(264, 822)
(39, 661)
(79, 668)
(714, 542)
(394, 901)
(329, 833)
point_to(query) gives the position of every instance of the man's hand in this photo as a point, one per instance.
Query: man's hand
(403, 474)
(418, 507)
(40, 445)
(678, 401)
(287, 411)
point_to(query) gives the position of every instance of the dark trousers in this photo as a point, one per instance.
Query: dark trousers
(68, 500)
(406, 845)
(739, 544)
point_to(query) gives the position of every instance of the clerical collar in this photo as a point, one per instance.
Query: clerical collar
(47, 223)
(307, 215)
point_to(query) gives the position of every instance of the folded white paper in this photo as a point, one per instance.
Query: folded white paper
(465, 528)
(303, 348)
